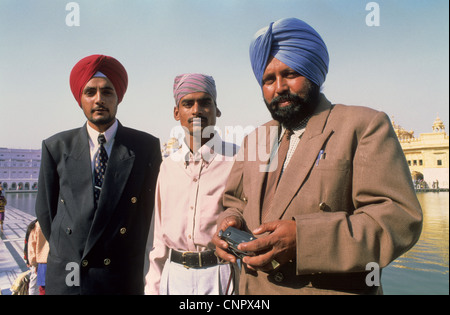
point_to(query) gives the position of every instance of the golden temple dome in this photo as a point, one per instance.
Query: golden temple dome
(438, 125)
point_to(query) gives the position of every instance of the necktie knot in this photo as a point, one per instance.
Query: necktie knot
(101, 139)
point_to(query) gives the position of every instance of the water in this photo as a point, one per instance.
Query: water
(421, 271)
(22, 201)
(424, 269)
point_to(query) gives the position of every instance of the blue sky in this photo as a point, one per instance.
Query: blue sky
(400, 67)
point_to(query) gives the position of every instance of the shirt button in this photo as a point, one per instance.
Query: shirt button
(123, 230)
(195, 179)
(133, 200)
(68, 231)
(107, 261)
(84, 263)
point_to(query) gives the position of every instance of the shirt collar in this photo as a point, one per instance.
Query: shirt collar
(109, 134)
(207, 152)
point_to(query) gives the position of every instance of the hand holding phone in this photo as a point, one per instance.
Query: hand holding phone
(234, 237)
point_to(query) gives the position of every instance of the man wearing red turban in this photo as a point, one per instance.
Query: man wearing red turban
(96, 183)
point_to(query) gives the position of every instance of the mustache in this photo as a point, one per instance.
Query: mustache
(99, 108)
(293, 98)
(203, 119)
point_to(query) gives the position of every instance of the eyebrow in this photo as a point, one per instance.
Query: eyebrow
(188, 100)
(95, 88)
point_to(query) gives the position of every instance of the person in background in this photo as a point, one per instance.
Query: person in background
(32, 287)
(3, 203)
(37, 256)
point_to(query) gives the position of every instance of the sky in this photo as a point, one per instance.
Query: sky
(399, 66)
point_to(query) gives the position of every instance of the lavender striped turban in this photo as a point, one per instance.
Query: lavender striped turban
(296, 44)
(188, 83)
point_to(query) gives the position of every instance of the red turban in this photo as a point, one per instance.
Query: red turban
(85, 69)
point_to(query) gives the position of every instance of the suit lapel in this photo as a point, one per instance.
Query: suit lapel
(302, 161)
(119, 167)
(80, 193)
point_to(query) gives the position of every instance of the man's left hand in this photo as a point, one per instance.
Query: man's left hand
(279, 245)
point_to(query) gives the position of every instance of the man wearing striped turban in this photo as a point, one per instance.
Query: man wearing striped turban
(335, 201)
(189, 198)
(95, 199)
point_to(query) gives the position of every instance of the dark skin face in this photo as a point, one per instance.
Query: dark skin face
(99, 102)
(289, 96)
(195, 112)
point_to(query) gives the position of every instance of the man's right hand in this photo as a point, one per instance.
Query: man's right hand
(221, 245)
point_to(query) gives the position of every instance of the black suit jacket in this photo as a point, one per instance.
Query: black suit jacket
(97, 251)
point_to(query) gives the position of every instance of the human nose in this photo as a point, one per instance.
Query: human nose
(196, 109)
(281, 85)
(99, 99)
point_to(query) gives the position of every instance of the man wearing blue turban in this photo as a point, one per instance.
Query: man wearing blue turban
(333, 203)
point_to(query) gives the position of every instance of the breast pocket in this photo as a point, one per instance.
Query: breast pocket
(329, 181)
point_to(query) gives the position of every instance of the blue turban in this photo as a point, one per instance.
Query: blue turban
(294, 43)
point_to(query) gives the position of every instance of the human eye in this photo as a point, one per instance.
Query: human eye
(268, 80)
(187, 104)
(206, 102)
(292, 74)
(89, 92)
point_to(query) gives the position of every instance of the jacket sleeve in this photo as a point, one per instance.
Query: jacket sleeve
(48, 191)
(233, 198)
(386, 221)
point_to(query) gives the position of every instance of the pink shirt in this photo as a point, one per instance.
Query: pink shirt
(188, 201)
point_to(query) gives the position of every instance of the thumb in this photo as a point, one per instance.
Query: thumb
(266, 227)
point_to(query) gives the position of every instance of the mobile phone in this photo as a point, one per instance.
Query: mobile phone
(234, 237)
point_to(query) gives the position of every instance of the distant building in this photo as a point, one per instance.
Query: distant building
(170, 147)
(19, 169)
(427, 155)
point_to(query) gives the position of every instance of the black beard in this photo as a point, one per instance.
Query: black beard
(101, 121)
(290, 116)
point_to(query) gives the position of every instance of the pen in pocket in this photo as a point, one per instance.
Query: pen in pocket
(320, 156)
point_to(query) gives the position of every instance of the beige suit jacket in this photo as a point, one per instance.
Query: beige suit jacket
(353, 207)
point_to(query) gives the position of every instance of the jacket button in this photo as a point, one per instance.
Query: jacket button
(107, 261)
(323, 206)
(133, 200)
(123, 230)
(84, 263)
(279, 277)
(68, 231)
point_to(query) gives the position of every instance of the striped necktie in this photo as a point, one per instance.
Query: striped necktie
(100, 167)
(273, 178)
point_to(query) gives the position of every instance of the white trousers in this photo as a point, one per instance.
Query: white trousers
(179, 280)
(33, 288)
